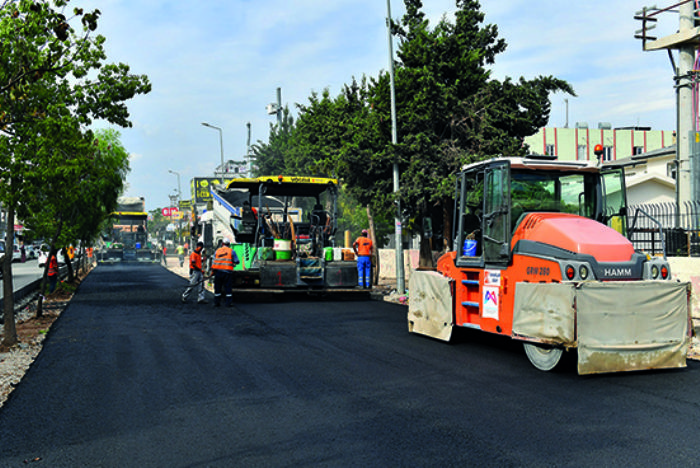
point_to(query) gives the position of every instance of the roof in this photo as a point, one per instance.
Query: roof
(294, 186)
(540, 163)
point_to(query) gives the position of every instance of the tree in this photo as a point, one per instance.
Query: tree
(270, 158)
(450, 112)
(53, 83)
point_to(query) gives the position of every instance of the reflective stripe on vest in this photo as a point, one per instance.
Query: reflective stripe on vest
(223, 259)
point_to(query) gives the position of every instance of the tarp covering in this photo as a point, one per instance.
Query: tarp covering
(430, 307)
(545, 312)
(617, 326)
(636, 325)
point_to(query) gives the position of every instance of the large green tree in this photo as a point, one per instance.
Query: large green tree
(53, 82)
(450, 111)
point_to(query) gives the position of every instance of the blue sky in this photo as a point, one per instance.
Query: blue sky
(221, 61)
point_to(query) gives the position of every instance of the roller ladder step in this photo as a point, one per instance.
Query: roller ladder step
(470, 304)
(470, 282)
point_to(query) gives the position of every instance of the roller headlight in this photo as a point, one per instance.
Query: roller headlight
(583, 272)
(654, 272)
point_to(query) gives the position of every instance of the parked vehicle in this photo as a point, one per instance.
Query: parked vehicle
(16, 253)
(44, 253)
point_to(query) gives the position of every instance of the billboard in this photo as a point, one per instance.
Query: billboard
(200, 187)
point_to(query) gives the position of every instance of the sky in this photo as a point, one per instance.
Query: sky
(221, 62)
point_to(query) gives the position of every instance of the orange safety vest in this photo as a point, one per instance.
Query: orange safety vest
(364, 246)
(196, 260)
(223, 259)
(53, 267)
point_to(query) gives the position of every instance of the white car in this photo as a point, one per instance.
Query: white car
(16, 253)
(44, 253)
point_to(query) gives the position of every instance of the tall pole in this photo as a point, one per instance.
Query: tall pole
(686, 58)
(179, 198)
(247, 153)
(400, 283)
(279, 109)
(221, 146)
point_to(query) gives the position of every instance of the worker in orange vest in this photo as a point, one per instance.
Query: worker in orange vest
(363, 249)
(53, 273)
(225, 259)
(196, 275)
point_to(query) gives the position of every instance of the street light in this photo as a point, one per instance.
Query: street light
(179, 193)
(400, 281)
(221, 145)
(179, 197)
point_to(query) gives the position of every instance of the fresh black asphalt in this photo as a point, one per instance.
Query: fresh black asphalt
(130, 376)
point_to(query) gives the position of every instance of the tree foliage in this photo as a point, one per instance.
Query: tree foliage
(450, 111)
(54, 82)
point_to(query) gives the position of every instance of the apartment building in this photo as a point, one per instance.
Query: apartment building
(577, 143)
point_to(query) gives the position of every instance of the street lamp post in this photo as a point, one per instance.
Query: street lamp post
(221, 145)
(179, 197)
(400, 282)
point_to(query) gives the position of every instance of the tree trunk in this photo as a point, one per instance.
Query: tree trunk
(446, 227)
(9, 338)
(69, 264)
(425, 254)
(375, 251)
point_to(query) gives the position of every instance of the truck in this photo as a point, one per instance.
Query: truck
(282, 229)
(127, 237)
(542, 255)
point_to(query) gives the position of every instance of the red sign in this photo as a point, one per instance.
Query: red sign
(170, 211)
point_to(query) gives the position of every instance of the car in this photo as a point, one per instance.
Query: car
(16, 253)
(31, 251)
(44, 253)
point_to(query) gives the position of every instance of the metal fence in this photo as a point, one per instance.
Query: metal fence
(659, 227)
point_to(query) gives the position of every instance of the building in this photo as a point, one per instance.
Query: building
(578, 143)
(651, 177)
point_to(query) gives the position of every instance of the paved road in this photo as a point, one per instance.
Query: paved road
(129, 376)
(24, 273)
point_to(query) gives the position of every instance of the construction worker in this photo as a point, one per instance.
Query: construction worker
(53, 273)
(224, 261)
(181, 255)
(363, 249)
(196, 275)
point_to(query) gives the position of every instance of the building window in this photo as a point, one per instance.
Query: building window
(607, 153)
(549, 150)
(637, 150)
(581, 153)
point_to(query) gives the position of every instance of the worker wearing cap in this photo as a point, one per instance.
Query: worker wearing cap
(363, 249)
(224, 261)
(196, 275)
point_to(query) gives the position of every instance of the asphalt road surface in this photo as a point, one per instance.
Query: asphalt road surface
(130, 376)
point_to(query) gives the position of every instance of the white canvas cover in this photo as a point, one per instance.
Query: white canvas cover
(545, 312)
(430, 307)
(636, 325)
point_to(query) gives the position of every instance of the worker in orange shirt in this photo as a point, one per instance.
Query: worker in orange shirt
(363, 249)
(196, 276)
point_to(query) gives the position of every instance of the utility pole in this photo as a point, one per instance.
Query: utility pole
(686, 41)
(400, 281)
